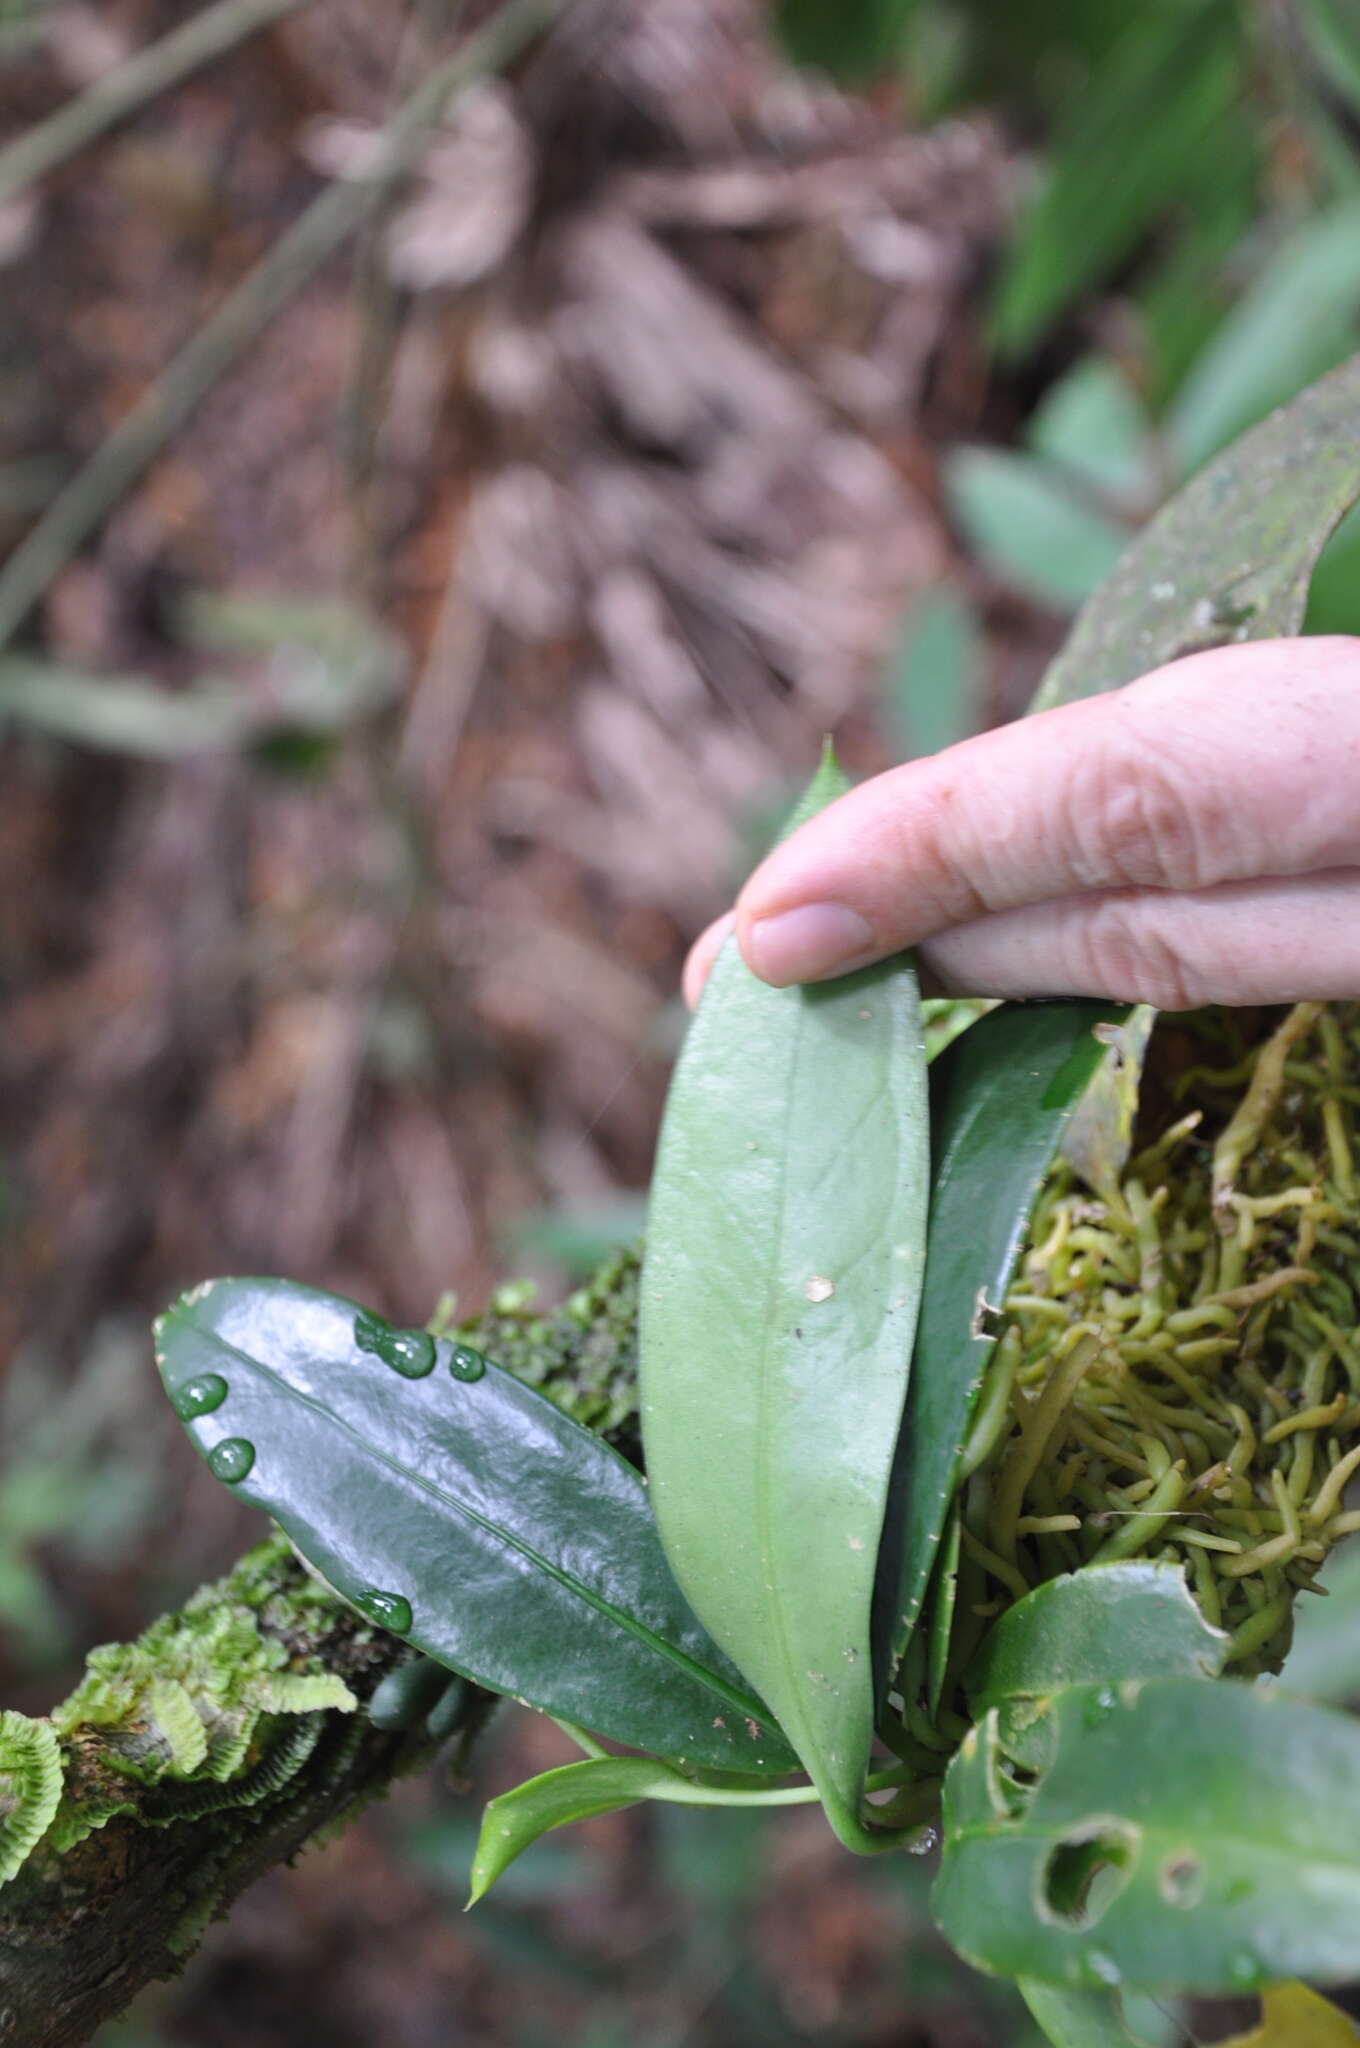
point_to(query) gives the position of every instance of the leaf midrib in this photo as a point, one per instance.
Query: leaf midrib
(747, 1706)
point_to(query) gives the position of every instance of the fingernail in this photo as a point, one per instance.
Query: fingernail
(807, 943)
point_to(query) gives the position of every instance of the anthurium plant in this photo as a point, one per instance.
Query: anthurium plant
(993, 1411)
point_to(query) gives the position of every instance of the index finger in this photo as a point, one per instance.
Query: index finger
(1224, 766)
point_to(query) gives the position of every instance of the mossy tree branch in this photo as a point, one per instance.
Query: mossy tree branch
(234, 1732)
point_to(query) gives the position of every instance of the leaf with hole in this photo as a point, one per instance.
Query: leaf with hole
(1188, 1834)
(1100, 1626)
(1099, 2019)
(458, 1507)
(778, 1304)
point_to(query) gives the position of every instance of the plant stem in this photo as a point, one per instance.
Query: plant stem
(247, 312)
(141, 79)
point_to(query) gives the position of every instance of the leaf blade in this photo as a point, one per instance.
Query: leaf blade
(524, 1546)
(1230, 557)
(994, 1136)
(1227, 1815)
(784, 1262)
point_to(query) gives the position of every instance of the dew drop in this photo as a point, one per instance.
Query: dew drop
(1099, 1707)
(819, 1288)
(232, 1459)
(1103, 1968)
(1244, 1968)
(389, 1610)
(409, 1352)
(466, 1364)
(199, 1396)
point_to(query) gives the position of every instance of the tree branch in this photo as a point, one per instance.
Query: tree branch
(231, 1733)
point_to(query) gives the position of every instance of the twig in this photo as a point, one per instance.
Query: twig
(142, 78)
(247, 312)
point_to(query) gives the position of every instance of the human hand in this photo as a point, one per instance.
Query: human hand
(1194, 838)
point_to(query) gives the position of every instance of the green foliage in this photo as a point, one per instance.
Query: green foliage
(30, 1788)
(1000, 1099)
(1136, 1857)
(933, 688)
(461, 1509)
(780, 1289)
(328, 666)
(851, 40)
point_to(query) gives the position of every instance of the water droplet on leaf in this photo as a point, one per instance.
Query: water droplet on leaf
(466, 1364)
(389, 1610)
(232, 1459)
(1103, 1968)
(409, 1352)
(1244, 1968)
(199, 1396)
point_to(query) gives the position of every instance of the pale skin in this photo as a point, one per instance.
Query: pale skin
(1194, 838)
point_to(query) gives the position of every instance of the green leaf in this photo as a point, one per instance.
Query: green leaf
(601, 1784)
(1098, 2019)
(574, 1792)
(1324, 1656)
(1333, 31)
(1292, 2016)
(1100, 1626)
(1092, 424)
(1136, 130)
(1196, 1834)
(853, 40)
(523, 1547)
(933, 691)
(779, 1297)
(1334, 593)
(1099, 1138)
(1230, 557)
(1298, 318)
(1030, 527)
(1001, 1096)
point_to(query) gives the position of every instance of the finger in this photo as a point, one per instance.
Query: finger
(1282, 940)
(702, 954)
(1229, 764)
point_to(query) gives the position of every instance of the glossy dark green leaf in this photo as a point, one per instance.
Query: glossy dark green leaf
(1194, 1834)
(779, 1298)
(1100, 1626)
(1231, 556)
(1098, 2019)
(1001, 1096)
(468, 1513)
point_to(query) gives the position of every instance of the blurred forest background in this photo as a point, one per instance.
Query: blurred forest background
(387, 706)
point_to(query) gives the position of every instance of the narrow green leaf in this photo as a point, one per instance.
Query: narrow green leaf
(779, 1298)
(1092, 424)
(1333, 31)
(1299, 317)
(1001, 1096)
(1030, 526)
(855, 40)
(452, 1503)
(933, 690)
(1195, 1834)
(943, 1599)
(596, 1785)
(1230, 558)
(602, 1784)
(1100, 1626)
(1172, 77)
(1098, 2019)
(1099, 1138)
